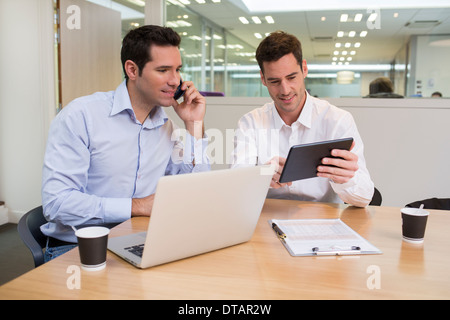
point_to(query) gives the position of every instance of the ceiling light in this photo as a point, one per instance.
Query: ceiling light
(321, 75)
(269, 19)
(344, 53)
(396, 15)
(358, 17)
(243, 20)
(334, 58)
(348, 44)
(230, 46)
(256, 20)
(336, 53)
(345, 77)
(344, 17)
(349, 59)
(353, 52)
(201, 1)
(289, 5)
(363, 34)
(258, 35)
(216, 1)
(340, 34)
(372, 17)
(351, 34)
(323, 19)
(196, 38)
(185, 1)
(357, 44)
(244, 54)
(139, 3)
(338, 45)
(178, 24)
(193, 55)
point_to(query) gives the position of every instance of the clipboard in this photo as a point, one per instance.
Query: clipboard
(320, 237)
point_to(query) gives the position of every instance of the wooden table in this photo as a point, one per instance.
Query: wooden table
(262, 268)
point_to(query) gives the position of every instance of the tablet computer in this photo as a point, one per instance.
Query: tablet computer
(303, 160)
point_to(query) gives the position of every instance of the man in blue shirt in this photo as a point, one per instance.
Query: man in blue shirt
(106, 152)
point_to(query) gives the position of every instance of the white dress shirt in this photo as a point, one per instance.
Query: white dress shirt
(99, 157)
(262, 135)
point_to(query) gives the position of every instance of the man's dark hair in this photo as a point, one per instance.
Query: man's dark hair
(137, 44)
(381, 84)
(277, 45)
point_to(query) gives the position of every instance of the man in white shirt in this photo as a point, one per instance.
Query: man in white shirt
(294, 117)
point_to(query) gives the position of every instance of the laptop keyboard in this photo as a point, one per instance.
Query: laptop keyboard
(137, 250)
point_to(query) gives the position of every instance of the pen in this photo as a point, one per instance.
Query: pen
(280, 233)
(337, 252)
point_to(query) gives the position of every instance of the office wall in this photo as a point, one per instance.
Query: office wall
(27, 99)
(90, 51)
(406, 141)
(406, 146)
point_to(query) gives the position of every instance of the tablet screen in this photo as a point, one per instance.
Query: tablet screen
(303, 159)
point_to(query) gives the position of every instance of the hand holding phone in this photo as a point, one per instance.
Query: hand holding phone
(192, 109)
(179, 92)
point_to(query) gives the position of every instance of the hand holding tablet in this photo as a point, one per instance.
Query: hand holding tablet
(316, 159)
(278, 163)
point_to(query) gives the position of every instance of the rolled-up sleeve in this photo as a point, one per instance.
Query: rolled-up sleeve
(189, 154)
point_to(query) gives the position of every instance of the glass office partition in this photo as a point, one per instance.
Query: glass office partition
(242, 69)
(189, 27)
(219, 39)
(214, 59)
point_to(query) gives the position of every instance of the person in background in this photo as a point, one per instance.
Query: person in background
(106, 152)
(266, 134)
(382, 87)
(436, 94)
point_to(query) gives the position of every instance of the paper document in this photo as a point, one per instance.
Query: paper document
(306, 237)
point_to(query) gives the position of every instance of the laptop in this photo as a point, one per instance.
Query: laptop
(197, 213)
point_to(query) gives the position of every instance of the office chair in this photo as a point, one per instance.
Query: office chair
(30, 233)
(431, 203)
(376, 199)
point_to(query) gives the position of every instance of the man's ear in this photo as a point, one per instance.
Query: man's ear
(304, 68)
(131, 69)
(262, 78)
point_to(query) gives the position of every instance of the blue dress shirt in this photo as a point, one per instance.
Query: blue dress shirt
(99, 157)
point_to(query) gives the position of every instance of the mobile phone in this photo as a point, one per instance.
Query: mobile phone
(179, 92)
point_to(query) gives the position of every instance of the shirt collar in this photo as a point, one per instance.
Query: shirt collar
(305, 117)
(121, 99)
(158, 118)
(122, 102)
